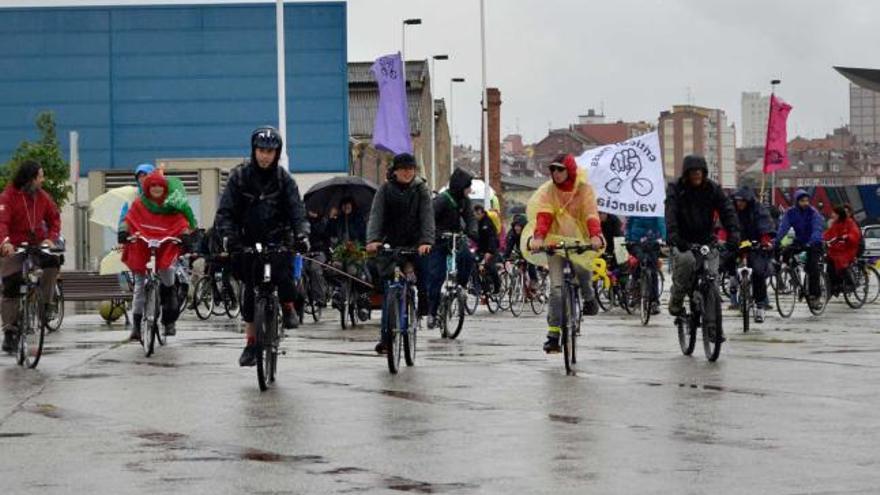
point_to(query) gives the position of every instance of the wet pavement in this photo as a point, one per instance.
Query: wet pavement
(791, 407)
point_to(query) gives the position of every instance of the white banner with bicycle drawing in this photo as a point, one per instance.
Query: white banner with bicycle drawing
(628, 176)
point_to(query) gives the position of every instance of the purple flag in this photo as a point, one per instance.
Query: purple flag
(391, 129)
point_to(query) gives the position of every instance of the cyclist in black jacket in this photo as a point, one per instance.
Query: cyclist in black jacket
(261, 203)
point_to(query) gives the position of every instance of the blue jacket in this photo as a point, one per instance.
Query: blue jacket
(650, 228)
(807, 222)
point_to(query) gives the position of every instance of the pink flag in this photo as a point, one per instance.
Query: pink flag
(776, 148)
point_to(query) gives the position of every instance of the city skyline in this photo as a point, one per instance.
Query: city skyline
(554, 60)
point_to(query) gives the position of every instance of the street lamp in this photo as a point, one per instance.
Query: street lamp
(451, 134)
(434, 124)
(406, 22)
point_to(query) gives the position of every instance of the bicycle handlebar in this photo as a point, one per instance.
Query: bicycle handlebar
(25, 247)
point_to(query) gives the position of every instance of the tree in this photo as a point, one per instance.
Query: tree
(47, 152)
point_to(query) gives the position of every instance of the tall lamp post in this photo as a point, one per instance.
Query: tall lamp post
(452, 82)
(484, 117)
(434, 124)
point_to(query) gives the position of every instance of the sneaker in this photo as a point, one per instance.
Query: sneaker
(759, 315)
(170, 330)
(381, 347)
(591, 307)
(10, 340)
(289, 319)
(432, 322)
(248, 356)
(551, 346)
(655, 308)
(136, 328)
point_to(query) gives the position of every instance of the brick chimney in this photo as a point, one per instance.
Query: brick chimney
(494, 127)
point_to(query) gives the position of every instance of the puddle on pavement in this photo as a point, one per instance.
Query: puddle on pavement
(47, 410)
(560, 418)
(340, 353)
(15, 435)
(267, 456)
(86, 376)
(344, 470)
(413, 486)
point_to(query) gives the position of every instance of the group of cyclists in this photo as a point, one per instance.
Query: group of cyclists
(261, 206)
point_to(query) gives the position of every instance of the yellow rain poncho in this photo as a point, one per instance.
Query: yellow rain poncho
(573, 211)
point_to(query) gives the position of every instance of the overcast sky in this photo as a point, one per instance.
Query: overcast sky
(553, 59)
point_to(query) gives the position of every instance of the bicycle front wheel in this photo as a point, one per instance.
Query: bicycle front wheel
(569, 334)
(873, 284)
(645, 297)
(786, 288)
(473, 294)
(540, 295)
(412, 331)
(265, 326)
(232, 299)
(32, 331)
(713, 333)
(603, 294)
(687, 333)
(745, 302)
(203, 298)
(517, 296)
(390, 329)
(150, 324)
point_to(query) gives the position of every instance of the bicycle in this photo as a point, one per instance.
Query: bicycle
(853, 284)
(152, 307)
(640, 291)
(476, 293)
(31, 317)
(451, 308)
(267, 310)
(217, 292)
(748, 307)
(400, 320)
(571, 300)
(792, 283)
(873, 281)
(703, 309)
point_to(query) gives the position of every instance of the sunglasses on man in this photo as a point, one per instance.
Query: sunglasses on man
(557, 168)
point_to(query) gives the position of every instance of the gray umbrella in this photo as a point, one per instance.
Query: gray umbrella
(329, 193)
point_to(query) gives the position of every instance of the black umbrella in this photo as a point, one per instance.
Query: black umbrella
(327, 194)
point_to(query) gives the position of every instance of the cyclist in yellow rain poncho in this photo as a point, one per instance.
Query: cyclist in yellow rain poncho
(564, 209)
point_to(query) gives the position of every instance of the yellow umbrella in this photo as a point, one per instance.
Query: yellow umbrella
(112, 263)
(107, 208)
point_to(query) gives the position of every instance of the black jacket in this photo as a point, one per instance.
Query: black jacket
(487, 238)
(755, 220)
(319, 238)
(452, 208)
(690, 212)
(258, 205)
(402, 215)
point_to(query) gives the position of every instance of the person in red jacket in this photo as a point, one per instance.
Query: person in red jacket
(27, 215)
(843, 238)
(153, 223)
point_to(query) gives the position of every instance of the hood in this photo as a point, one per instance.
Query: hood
(571, 167)
(800, 193)
(144, 168)
(461, 179)
(155, 179)
(694, 162)
(520, 220)
(746, 194)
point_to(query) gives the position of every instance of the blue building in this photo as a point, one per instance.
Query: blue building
(175, 81)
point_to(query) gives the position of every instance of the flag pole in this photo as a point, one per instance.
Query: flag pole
(773, 84)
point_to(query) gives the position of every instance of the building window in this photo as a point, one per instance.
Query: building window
(835, 167)
(786, 182)
(818, 167)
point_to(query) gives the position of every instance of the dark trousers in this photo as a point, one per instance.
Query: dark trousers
(435, 273)
(251, 274)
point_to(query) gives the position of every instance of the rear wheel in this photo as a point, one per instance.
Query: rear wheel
(503, 297)
(412, 331)
(32, 331)
(712, 329)
(203, 298)
(344, 291)
(603, 295)
(232, 299)
(873, 284)
(645, 297)
(55, 317)
(786, 287)
(821, 303)
(540, 294)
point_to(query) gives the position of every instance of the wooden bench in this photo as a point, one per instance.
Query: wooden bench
(86, 286)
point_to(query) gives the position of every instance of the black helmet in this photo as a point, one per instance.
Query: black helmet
(266, 137)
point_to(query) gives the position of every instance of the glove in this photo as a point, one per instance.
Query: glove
(122, 237)
(302, 243)
(231, 244)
